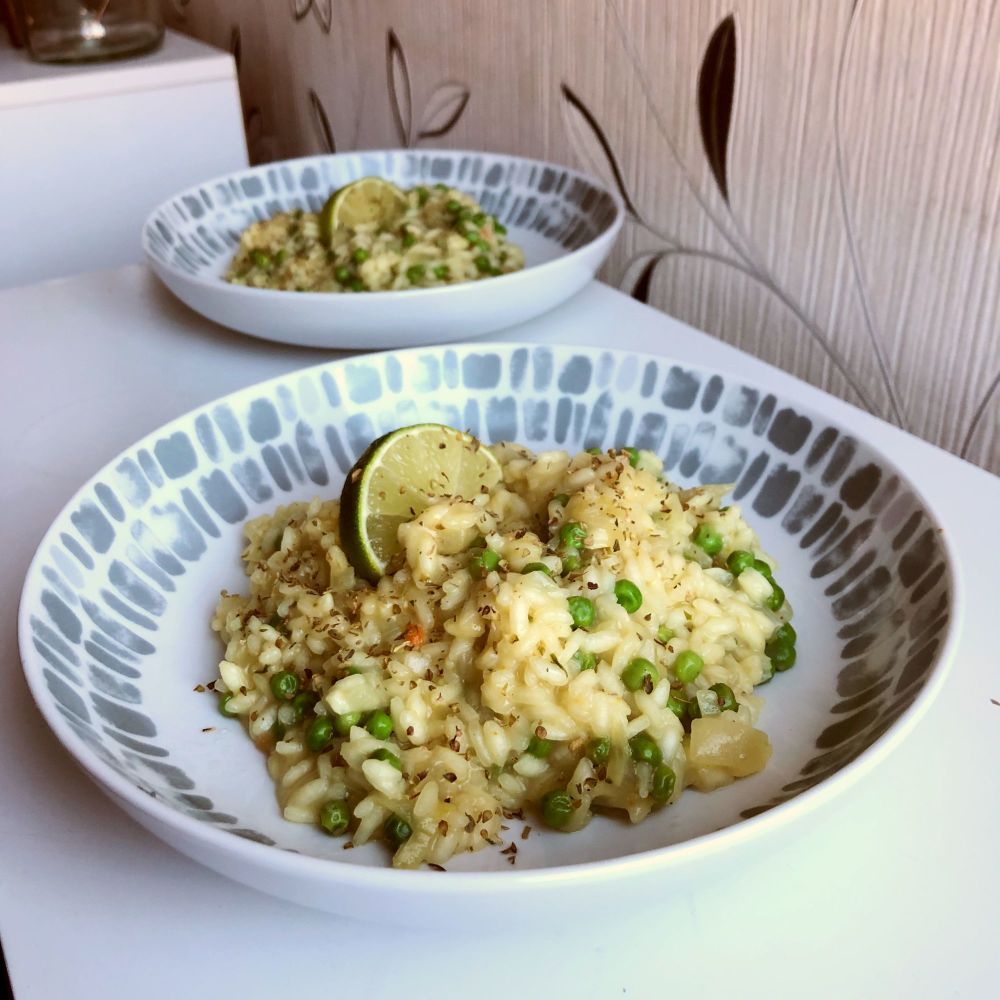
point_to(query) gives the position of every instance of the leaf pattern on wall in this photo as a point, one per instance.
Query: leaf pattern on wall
(716, 85)
(322, 10)
(400, 96)
(441, 113)
(321, 123)
(444, 109)
(640, 289)
(592, 145)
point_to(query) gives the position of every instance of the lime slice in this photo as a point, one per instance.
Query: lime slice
(370, 199)
(399, 476)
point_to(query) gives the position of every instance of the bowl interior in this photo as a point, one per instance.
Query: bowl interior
(114, 618)
(549, 210)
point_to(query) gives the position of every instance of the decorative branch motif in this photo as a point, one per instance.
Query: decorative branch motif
(978, 415)
(716, 84)
(438, 117)
(716, 88)
(852, 243)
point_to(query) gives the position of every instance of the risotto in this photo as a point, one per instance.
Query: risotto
(440, 236)
(584, 636)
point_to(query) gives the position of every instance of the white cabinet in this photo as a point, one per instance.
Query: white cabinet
(87, 151)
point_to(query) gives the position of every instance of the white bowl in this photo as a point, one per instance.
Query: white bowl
(114, 629)
(565, 221)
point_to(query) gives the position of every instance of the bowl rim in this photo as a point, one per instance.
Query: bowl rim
(328, 870)
(262, 295)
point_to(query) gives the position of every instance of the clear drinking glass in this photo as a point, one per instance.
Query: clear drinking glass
(82, 30)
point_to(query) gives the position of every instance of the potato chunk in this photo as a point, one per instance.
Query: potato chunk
(723, 748)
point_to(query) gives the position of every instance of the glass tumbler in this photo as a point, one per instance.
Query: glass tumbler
(85, 30)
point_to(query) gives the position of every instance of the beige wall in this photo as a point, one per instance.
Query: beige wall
(814, 181)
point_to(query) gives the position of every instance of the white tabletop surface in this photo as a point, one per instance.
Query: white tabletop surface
(893, 892)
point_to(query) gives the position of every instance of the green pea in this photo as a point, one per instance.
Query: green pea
(572, 535)
(581, 610)
(633, 456)
(319, 733)
(557, 808)
(599, 750)
(415, 273)
(664, 781)
(343, 723)
(278, 730)
(389, 757)
(537, 567)
(453, 206)
(664, 634)
(357, 285)
(782, 655)
(408, 238)
(571, 562)
(284, 685)
(483, 265)
(379, 724)
(479, 218)
(785, 633)
(678, 706)
(776, 598)
(539, 747)
(739, 560)
(644, 749)
(628, 595)
(763, 568)
(498, 227)
(561, 498)
(708, 539)
(261, 259)
(585, 660)
(224, 699)
(727, 700)
(422, 195)
(442, 272)
(280, 256)
(335, 817)
(687, 666)
(302, 703)
(637, 672)
(594, 451)
(483, 562)
(343, 274)
(397, 830)
(360, 255)
(440, 187)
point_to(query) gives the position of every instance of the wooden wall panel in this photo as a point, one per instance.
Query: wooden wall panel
(814, 181)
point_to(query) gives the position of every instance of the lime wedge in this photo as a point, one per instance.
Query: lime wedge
(400, 475)
(370, 199)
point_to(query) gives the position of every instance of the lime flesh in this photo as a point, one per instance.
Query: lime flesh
(400, 475)
(370, 199)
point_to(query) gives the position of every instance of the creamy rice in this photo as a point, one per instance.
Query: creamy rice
(442, 237)
(495, 697)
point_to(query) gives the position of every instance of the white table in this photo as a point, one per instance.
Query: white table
(88, 150)
(894, 892)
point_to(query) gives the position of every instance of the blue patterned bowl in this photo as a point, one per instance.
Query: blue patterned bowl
(114, 617)
(565, 221)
